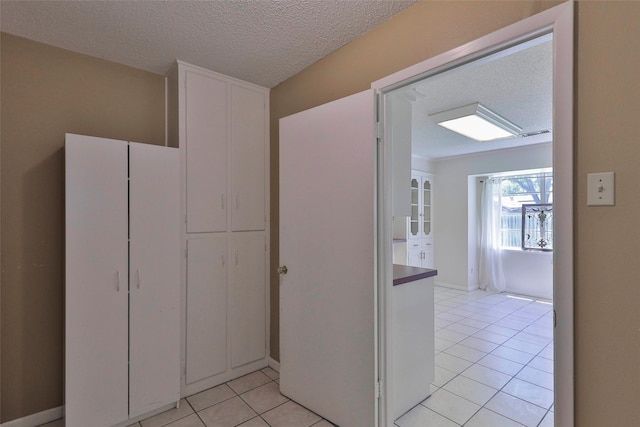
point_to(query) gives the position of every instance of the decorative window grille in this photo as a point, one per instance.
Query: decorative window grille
(520, 189)
(537, 227)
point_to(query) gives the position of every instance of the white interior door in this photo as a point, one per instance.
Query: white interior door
(327, 304)
(154, 309)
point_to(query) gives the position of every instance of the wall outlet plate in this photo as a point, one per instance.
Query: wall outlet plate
(601, 189)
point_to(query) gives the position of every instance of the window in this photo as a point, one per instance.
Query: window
(527, 211)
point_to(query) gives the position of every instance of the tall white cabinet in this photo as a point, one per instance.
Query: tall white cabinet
(420, 223)
(220, 125)
(122, 250)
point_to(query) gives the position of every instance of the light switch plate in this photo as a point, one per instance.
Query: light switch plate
(601, 189)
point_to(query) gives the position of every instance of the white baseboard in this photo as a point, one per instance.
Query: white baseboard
(37, 419)
(274, 364)
(450, 286)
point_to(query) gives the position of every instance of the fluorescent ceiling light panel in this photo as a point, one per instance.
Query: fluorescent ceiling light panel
(476, 122)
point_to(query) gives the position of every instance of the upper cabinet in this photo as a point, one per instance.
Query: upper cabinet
(248, 152)
(206, 139)
(420, 221)
(222, 125)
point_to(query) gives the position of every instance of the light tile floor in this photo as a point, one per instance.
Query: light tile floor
(494, 368)
(494, 362)
(253, 400)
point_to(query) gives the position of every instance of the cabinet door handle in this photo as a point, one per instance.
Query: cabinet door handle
(222, 201)
(237, 202)
(236, 257)
(138, 278)
(223, 259)
(117, 280)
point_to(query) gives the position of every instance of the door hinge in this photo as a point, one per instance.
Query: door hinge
(378, 389)
(379, 131)
(555, 323)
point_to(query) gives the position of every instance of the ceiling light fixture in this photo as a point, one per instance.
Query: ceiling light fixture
(476, 122)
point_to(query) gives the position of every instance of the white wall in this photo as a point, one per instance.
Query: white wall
(421, 164)
(529, 272)
(451, 208)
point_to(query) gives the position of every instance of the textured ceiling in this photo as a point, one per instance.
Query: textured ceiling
(516, 84)
(260, 41)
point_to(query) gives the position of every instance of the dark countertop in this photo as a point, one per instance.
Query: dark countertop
(406, 274)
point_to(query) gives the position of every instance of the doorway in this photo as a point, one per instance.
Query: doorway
(342, 135)
(461, 272)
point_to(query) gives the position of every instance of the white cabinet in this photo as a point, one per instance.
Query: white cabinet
(122, 321)
(420, 223)
(412, 344)
(247, 298)
(226, 303)
(223, 131)
(248, 154)
(220, 125)
(206, 307)
(205, 142)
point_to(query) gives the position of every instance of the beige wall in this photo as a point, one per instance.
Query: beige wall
(607, 288)
(45, 92)
(607, 294)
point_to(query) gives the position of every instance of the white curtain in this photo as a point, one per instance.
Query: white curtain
(490, 269)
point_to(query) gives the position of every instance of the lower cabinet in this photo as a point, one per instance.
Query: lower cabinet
(247, 299)
(206, 354)
(412, 343)
(420, 253)
(226, 307)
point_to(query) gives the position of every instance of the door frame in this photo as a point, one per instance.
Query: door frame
(558, 21)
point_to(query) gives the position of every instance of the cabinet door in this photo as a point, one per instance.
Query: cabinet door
(425, 207)
(248, 158)
(206, 352)
(206, 153)
(96, 281)
(247, 298)
(414, 219)
(427, 257)
(154, 281)
(414, 257)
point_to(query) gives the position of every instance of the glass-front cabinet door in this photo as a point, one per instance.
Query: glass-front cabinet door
(414, 220)
(426, 207)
